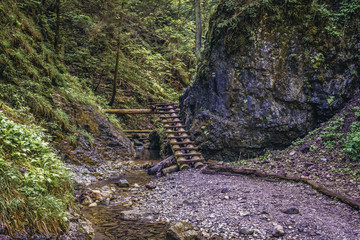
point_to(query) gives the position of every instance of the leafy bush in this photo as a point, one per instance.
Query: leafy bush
(35, 188)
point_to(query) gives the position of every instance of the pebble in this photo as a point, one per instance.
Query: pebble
(291, 211)
(246, 230)
(94, 204)
(278, 231)
(122, 183)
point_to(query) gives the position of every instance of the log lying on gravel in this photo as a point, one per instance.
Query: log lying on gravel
(167, 162)
(232, 171)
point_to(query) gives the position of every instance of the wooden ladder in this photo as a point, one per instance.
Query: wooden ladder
(186, 154)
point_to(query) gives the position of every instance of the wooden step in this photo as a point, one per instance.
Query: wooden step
(174, 126)
(184, 148)
(177, 137)
(167, 112)
(183, 143)
(182, 131)
(174, 121)
(164, 104)
(165, 117)
(187, 154)
(189, 161)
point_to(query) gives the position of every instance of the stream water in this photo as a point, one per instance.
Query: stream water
(108, 221)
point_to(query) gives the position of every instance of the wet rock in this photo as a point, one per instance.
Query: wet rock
(278, 231)
(181, 231)
(123, 183)
(97, 195)
(291, 211)
(150, 186)
(225, 190)
(87, 200)
(246, 230)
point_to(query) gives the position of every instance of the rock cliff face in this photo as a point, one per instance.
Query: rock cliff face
(271, 72)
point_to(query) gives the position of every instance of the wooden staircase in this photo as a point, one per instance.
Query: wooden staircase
(186, 154)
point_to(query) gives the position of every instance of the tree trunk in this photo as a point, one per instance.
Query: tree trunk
(117, 58)
(57, 28)
(198, 27)
(179, 7)
(116, 74)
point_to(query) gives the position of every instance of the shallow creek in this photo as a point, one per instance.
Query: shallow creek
(108, 221)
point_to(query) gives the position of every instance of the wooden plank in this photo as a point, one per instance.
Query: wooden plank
(174, 126)
(130, 111)
(190, 161)
(184, 148)
(182, 143)
(175, 121)
(187, 154)
(165, 117)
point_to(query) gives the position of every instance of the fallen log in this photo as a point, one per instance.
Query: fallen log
(171, 169)
(161, 165)
(232, 171)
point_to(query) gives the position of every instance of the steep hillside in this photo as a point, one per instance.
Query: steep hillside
(57, 67)
(272, 71)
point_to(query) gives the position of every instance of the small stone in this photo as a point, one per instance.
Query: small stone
(227, 197)
(291, 211)
(323, 159)
(136, 185)
(122, 183)
(150, 186)
(278, 231)
(292, 152)
(87, 200)
(244, 213)
(94, 204)
(246, 230)
(225, 190)
(97, 195)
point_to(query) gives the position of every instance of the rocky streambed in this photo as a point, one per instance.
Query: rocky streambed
(133, 205)
(239, 207)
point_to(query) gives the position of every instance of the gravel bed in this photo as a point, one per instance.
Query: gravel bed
(240, 207)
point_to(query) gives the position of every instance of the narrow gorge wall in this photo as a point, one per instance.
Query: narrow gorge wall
(271, 72)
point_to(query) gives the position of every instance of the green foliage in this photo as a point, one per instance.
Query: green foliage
(35, 186)
(352, 144)
(298, 141)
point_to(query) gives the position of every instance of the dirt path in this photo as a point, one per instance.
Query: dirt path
(239, 207)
